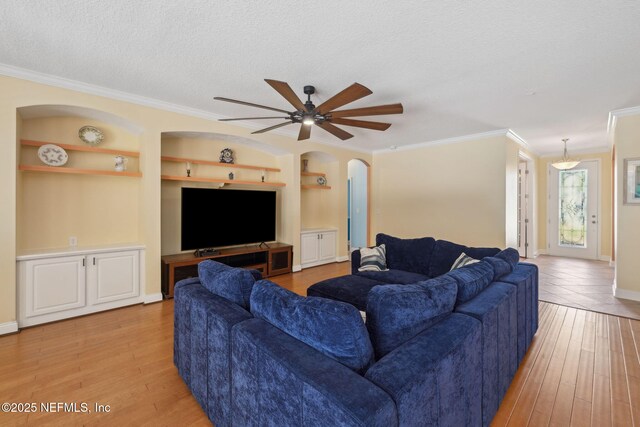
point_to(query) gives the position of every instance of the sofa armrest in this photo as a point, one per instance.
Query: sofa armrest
(436, 377)
(355, 261)
(202, 346)
(280, 380)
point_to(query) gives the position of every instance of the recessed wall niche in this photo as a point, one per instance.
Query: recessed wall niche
(85, 200)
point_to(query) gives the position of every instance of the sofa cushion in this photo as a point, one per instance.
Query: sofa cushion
(233, 284)
(332, 327)
(471, 280)
(445, 253)
(373, 259)
(397, 313)
(509, 255)
(393, 276)
(408, 254)
(500, 266)
(351, 289)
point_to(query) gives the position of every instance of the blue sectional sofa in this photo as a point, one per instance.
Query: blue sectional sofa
(499, 291)
(253, 353)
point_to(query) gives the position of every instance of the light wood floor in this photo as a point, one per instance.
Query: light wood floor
(582, 369)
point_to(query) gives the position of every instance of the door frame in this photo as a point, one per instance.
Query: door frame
(369, 204)
(598, 208)
(530, 180)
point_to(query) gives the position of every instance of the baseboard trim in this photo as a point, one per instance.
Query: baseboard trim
(342, 258)
(612, 264)
(151, 298)
(8, 327)
(296, 268)
(604, 258)
(625, 294)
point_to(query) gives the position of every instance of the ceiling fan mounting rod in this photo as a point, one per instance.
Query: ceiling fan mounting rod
(309, 90)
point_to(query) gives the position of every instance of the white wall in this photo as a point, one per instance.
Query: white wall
(456, 192)
(627, 217)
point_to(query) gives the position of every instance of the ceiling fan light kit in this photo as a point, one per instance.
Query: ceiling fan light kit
(565, 163)
(324, 115)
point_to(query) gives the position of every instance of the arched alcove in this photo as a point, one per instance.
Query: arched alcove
(85, 201)
(192, 159)
(318, 200)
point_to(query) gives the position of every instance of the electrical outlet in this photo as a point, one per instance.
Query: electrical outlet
(73, 241)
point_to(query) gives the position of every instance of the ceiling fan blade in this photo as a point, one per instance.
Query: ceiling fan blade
(305, 132)
(362, 124)
(250, 104)
(350, 94)
(378, 110)
(252, 118)
(285, 90)
(272, 127)
(335, 130)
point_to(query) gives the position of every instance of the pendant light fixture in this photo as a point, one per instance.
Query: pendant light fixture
(566, 162)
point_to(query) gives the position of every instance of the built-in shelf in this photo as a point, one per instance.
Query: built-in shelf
(85, 148)
(212, 163)
(221, 181)
(312, 174)
(76, 171)
(315, 187)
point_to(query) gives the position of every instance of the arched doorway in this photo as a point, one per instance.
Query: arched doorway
(358, 215)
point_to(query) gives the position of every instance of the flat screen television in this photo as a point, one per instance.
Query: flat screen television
(213, 218)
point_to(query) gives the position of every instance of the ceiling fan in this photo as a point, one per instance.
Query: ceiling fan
(324, 115)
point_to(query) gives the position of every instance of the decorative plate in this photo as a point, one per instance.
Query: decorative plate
(91, 135)
(322, 180)
(52, 155)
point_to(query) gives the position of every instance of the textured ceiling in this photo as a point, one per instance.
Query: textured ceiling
(545, 69)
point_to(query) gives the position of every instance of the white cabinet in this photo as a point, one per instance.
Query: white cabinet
(317, 246)
(56, 285)
(309, 248)
(114, 276)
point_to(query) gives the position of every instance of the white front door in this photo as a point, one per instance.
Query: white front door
(573, 211)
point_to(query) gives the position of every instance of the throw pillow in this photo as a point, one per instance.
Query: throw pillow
(463, 260)
(445, 253)
(373, 259)
(334, 328)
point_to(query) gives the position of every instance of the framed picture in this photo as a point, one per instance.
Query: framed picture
(632, 181)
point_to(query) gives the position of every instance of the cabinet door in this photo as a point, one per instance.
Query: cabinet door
(279, 261)
(113, 276)
(327, 246)
(309, 248)
(54, 285)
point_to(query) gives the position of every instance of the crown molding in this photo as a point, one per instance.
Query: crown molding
(61, 82)
(91, 89)
(613, 120)
(519, 140)
(457, 139)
